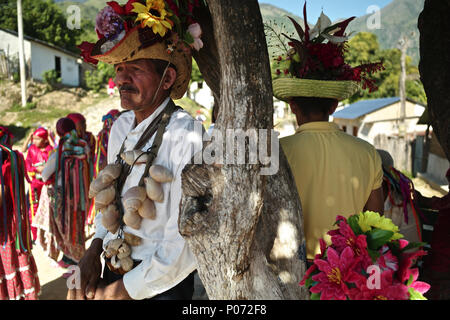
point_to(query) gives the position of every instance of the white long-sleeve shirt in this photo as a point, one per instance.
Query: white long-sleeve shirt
(166, 256)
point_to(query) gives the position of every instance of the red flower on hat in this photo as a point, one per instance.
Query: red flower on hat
(318, 54)
(124, 10)
(86, 51)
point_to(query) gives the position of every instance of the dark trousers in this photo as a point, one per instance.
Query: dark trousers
(182, 291)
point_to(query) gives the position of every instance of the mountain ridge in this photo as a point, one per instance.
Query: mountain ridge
(398, 18)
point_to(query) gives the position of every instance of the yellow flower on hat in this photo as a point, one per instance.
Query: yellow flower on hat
(153, 15)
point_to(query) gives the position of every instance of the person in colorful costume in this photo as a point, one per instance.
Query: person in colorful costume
(149, 43)
(80, 124)
(101, 151)
(37, 157)
(18, 272)
(111, 87)
(101, 147)
(61, 215)
(335, 173)
(400, 204)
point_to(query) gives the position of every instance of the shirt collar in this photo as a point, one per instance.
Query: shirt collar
(144, 124)
(318, 126)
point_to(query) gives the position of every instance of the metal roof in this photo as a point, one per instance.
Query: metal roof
(361, 108)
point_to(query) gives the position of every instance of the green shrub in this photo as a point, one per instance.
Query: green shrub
(17, 107)
(97, 79)
(51, 79)
(16, 77)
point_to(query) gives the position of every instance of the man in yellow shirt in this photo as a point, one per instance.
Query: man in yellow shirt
(335, 173)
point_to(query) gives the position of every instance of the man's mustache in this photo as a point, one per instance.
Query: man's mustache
(127, 87)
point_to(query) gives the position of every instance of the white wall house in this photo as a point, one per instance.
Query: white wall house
(370, 118)
(41, 56)
(202, 95)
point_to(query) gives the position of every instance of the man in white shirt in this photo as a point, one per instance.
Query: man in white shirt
(148, 75)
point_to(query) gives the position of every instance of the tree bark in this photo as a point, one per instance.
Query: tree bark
(208, 57)
(434, 26)
(246, 229)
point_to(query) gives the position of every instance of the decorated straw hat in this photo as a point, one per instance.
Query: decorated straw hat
(314, 65)
(287, 88)
(147, 29)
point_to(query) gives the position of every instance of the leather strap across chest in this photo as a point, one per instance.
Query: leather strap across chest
(158, 125)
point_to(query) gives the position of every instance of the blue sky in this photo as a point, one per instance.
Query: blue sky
(335, 9)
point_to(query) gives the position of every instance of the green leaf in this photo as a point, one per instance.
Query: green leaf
(377, 238)
(415, 295)
(188, 38)
(394, 247)
(374, 254)
(414, 245)
(410, 280)
(299, 29)
(308, 282)
(353, 223)
(315, 296)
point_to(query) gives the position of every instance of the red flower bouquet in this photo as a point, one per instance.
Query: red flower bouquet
(367, 260)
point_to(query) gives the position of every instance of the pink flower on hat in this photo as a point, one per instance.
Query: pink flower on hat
(196, 32)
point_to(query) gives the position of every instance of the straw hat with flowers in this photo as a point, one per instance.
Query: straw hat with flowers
(316, 66)
(147, 29)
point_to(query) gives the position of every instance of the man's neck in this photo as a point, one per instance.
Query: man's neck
(311, 118)
(144, 113)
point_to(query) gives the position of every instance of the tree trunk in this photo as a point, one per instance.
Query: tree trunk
(208, 57)
(246, 229)
(434, 26)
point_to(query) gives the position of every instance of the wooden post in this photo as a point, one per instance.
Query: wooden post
(23, 83)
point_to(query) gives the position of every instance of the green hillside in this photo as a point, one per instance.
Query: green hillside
(397, 18)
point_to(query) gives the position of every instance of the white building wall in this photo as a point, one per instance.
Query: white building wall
(69, 71)
(349, 124)
(43, 59)
(369, 131)
(10, 45)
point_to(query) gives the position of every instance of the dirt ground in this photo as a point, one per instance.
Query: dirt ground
(53, 285)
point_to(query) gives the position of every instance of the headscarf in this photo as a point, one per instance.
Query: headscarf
(6, 136)
(64, 126)
(41, 133)
(76, 117)
(112, 115)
